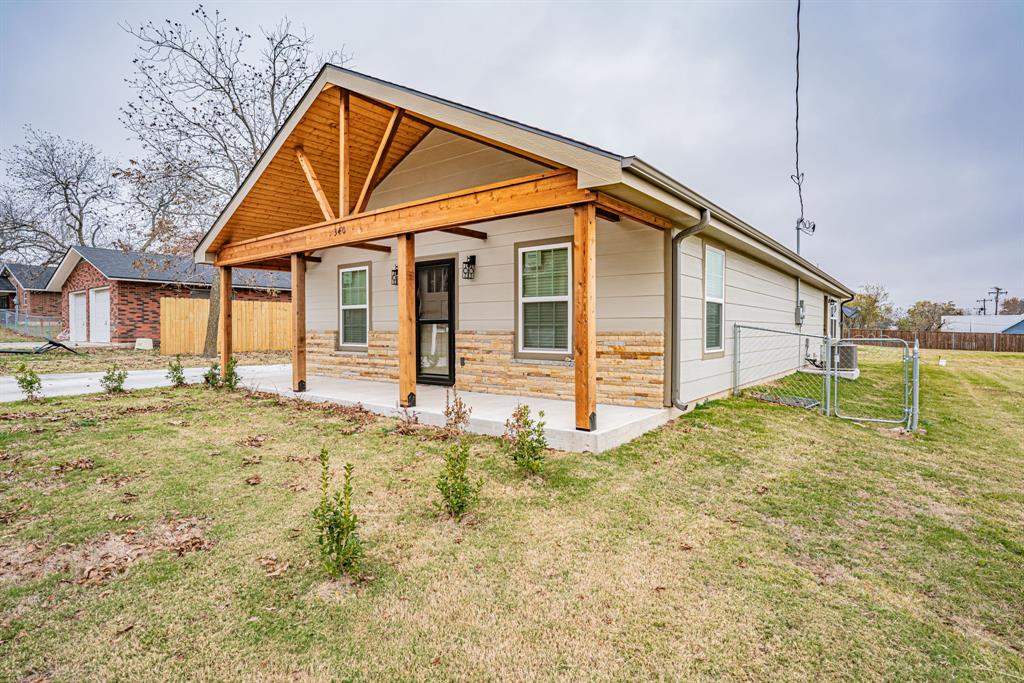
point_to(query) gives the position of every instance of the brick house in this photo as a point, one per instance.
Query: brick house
(7, 294)
(23, 288)
(113, 296)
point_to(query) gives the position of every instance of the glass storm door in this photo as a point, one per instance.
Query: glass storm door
(435, 328)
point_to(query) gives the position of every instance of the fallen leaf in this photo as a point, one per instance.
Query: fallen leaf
(253, 480)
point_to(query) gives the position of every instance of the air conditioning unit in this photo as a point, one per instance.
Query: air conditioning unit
(846, 356)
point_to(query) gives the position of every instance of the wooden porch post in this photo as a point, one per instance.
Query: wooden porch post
(406, 320)
(584, 338)
(298, 322)
(224, 322)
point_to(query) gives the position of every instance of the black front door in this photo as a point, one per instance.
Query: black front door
(435, 325)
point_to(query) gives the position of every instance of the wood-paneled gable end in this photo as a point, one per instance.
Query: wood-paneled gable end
(281, 197)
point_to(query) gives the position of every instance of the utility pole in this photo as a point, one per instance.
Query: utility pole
(997, 291)
(983, 308)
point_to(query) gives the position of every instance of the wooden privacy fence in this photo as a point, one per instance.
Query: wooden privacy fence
(256, 325)
(951, 341)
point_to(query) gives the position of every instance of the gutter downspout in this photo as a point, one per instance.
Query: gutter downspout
(705, 219)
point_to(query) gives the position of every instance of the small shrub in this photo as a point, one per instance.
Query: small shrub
(113, 380)
(176, 372)
(211, 378)
(458, 493)
(29, 382)
(524, 439)
(456, 416)
(408, 423)
(231, 379)
(336, 524)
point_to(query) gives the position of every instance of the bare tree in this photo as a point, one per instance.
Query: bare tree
(206, 112)
(61, 193)
(161, 209)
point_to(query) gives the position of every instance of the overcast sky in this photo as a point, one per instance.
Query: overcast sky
(911, 113)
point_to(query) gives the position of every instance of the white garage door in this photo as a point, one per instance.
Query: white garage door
(76, 316)
(99, 315)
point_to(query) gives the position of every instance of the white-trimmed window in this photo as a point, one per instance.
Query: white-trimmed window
(354, 311)
(714, 299)
(545, 308)
(833, 318)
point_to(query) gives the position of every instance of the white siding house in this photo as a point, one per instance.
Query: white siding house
(541, 267)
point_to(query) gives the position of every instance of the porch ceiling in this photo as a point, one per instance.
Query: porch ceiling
(281, 199)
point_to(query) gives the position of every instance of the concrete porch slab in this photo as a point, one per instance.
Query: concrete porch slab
(615, 424)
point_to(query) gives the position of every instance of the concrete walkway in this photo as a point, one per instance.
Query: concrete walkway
(77, 383)
(29, 345)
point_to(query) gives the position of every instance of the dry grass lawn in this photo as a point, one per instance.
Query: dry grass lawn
(9, 335)
(165, 535)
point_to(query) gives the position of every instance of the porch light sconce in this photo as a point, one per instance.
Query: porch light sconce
(394, 276)
(469, 267)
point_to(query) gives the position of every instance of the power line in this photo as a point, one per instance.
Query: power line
(802, 224)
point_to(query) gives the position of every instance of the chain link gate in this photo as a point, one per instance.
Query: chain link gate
(865, 380)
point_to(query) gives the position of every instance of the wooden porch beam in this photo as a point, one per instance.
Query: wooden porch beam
(298, 322)
(277, 264)
(373, 176)
(607, 215)
(627, 210)
(314, 184)
(466, 232)
(224, 321)
(584, 337)
(344, 156)
(370, 246)
(514, 197)
(407, 320)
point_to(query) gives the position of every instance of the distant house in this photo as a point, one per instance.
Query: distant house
(1001, 324)
(7, 294)
(113, 296)
(23, 287)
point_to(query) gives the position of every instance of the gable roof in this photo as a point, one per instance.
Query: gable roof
(29, 277)
(6, 286)
(629, 178)
(138, 266)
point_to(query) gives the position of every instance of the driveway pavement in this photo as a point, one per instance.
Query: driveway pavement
(76, 383)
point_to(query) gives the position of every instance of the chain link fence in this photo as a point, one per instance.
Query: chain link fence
(31, 325)
(869, 380)
(780, 366)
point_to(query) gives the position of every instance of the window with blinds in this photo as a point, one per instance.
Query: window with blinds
(544, 291)
(714, 299)
(354, 313)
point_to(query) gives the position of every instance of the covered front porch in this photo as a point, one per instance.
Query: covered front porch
(321, 188)
(618, 425)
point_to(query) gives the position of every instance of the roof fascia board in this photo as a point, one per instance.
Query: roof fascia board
(651, 181)
(63, 270)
